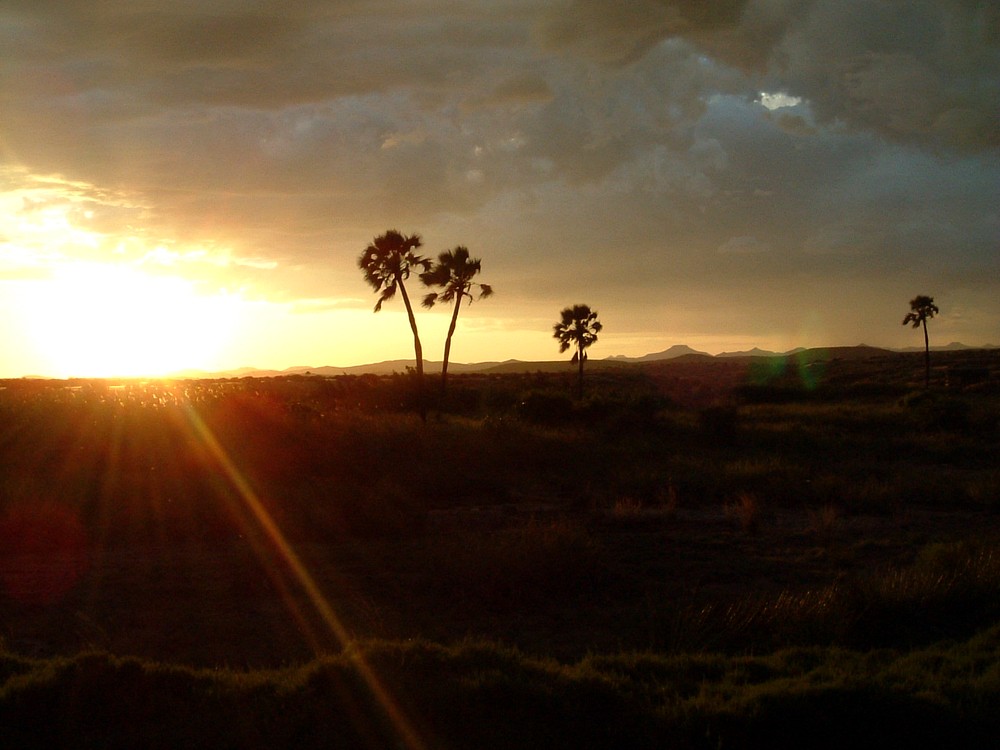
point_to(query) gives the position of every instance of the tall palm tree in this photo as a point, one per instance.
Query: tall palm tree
(578, 327)
(922, 307)
(453, 273)
(387, 263)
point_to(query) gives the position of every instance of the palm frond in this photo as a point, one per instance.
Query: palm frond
(922, 308)
(388, 260)
(387, 294)
(435, 276)
(578, 326)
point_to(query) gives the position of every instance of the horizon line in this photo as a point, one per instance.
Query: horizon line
(247, 370)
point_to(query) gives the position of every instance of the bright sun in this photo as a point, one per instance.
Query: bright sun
(104, 320)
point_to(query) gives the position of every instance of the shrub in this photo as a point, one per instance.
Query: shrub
(328, 510)
(984, 490)
(720, 423)
(823, 520)
(517, 566)
(546, 408)
(626, 507)
(746, 509)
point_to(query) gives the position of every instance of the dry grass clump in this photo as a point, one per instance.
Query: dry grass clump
(661, 504)
(669, 500)
(951, 590)
(482, 695)
(516, 566)
(626, 508)
(823, 521)
(746, 510)
(984, 490)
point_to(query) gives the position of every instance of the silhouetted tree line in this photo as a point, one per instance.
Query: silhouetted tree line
(387, 264)
(390, 259)
(577, 328)
(922, 307)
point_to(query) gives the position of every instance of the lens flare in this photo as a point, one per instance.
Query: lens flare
(43, 552)
(303, 577)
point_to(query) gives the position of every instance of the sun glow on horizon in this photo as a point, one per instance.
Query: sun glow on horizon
(86, 292)
(105, 320)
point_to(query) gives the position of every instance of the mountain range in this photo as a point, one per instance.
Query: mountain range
(679, 352)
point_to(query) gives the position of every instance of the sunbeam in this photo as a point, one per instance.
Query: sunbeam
(304, 578)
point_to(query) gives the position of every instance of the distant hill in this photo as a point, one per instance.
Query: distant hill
(954, 346)
(861, 351)
(387, 367)
(677, 350)
(755, 352)
(561, 365)
(679, 353)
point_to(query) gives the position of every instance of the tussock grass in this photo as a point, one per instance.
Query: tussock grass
(480, 695)
(626, 508)
(823, 521)
(746, 510)
(518, 567)
(950, 591)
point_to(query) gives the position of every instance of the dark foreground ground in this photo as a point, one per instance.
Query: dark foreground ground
(524, 569)
(549, 585)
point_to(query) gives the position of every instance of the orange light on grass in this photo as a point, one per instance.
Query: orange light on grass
(303, 577)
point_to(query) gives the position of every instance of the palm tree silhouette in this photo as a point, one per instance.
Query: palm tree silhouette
(453, 273)
(577, 327)
(387, 263)
(922, 307)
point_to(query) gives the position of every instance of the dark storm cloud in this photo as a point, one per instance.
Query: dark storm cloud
(922, 70)
(549, 133)
(616, 32)
(266, 54)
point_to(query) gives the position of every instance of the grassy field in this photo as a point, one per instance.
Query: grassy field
(698, 554)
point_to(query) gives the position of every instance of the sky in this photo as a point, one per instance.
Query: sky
(189, 183)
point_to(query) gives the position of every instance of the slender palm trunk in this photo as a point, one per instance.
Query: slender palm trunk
(927, 357)
(417, 350)
(580, 378)
(447, 343)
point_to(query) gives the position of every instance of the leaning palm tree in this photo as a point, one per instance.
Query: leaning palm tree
(453, 273)
(578, 327)
(922, 307)
(387, 263)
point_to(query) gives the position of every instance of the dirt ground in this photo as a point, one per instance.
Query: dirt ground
(237, 604)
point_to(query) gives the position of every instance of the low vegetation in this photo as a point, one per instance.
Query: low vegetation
(487, 696)
(695, 555)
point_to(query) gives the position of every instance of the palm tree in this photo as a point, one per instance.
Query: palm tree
(387, 263)
(453, 273)
(578, 327)
(922, 307)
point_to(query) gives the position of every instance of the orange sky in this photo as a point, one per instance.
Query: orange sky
(188, 185)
